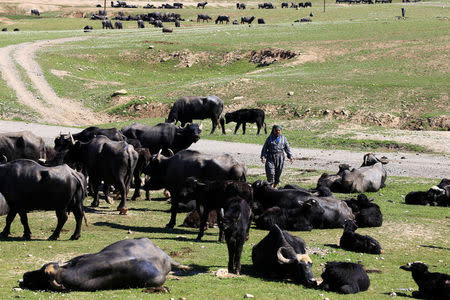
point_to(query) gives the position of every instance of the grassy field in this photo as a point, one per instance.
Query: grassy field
(409, 233)
(361, 59)
(358, 65)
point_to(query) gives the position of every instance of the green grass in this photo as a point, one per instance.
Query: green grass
(409, 233)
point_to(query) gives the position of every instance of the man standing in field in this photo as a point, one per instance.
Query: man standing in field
(272, 154)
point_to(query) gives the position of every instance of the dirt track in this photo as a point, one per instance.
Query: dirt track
(50, 107)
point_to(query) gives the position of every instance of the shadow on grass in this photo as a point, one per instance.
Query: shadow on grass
(335, 246)
(195, 269)
(399, 294)
(146, 229)
(435, 247)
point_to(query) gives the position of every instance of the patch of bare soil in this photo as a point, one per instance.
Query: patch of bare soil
(186, 57)
(149, 110)
(90, 84)
(268, 56)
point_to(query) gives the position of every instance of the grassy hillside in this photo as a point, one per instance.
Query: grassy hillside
(359, 63)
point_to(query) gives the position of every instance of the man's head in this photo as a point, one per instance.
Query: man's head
(276, 130)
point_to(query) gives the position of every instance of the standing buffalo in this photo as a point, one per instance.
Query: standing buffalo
(171, 173)
(107, 24)
(28, 186)
(64, 141)
(23, 144)
(131, 263)
(187, 109)
(203, 18)
(163, 136)
(281, 254)
(247, 115)
(202, 4)
(118, 25)
(35, 12)
(221, 19)
(370, 177)
(110, 161)
(248, 20)
(140, 24)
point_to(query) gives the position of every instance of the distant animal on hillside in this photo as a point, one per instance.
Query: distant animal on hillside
(118, 25)
(202, 4)
(203, 18)
(107, 24)
(247, 115)
(35, 12)
(221, 19)
(248, 20)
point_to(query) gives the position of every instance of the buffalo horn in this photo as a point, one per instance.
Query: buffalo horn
(201, 126)
(56, 285)
(222, 213)
(170, 152)
(72, 141)
(159, 152)
(283, 259)
(4, 159)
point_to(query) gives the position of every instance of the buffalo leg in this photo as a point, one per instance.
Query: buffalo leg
(222, 123)
(26, 227)
(95, 184)
(78, 214)
(173, 214)
(259, 127)
(62, 218)
(137, 187)
(123, 193)
(106, 188)
(237, 257)
(244, 125)
(203, 219)
(214, 125)
(231, 257)
(237, 127)
(219, 223)
(9, 219)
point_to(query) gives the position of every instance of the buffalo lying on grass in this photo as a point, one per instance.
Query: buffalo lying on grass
(130, 263)
(370, 177)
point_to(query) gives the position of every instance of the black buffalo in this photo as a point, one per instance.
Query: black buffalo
(171, 173)
(281, 254)
(64, 141)
(214, 195)
(202, 4)
(203, 18)
(335, 212)
(131, 263)
(35, 12)
(163, 136)
(104, 160)
(352, 241)
(367, 213)
(301, 218)
(437, 195)
(344, 277)
(235, 218)
(370, 177)
(118, 25)
(23, 144)
(431, 285)
(221, 19)
(248, 20)
(187, 109)
(107, 24)
(140, 24)
(247, 115)
(88, 28)
(27, 186)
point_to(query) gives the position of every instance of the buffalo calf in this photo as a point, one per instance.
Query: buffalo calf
(244, 116)
(236, 225)
(344, 277)
(431, 285)
(352, 241)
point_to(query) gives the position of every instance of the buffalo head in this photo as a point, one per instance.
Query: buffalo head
(299, 264)
(370, 159)
(416, 266)
(43, 279)
(193, 131)
(64, 141)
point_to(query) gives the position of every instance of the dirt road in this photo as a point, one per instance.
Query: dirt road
(40, 97)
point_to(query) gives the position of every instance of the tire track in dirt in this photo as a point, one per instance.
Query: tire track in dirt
(52, 109)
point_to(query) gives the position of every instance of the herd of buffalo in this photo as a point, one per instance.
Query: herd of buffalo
(35, 176)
